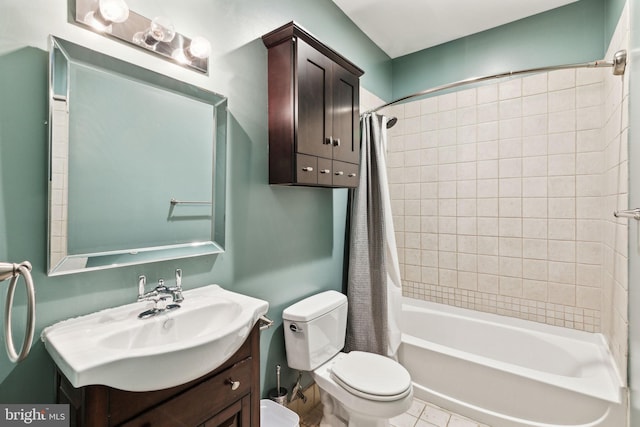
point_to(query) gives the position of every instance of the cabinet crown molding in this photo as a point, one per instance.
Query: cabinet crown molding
(292, 30)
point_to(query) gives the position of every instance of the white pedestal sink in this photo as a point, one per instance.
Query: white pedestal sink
(114, 347)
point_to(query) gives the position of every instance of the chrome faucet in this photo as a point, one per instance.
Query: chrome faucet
(164, 298)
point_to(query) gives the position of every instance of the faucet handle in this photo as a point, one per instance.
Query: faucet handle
(177, 290)
(142, 282)
(178, 278)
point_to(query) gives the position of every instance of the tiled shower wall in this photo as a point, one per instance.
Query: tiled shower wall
(503, 196)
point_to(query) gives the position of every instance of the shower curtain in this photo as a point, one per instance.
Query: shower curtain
(373, 278)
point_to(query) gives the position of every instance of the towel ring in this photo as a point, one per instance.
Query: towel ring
(23, 270)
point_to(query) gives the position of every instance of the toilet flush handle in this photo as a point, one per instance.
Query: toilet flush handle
(295, 328)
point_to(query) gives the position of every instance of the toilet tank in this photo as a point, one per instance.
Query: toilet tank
(314, 329)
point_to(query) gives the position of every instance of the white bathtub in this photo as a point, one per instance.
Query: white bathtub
(509, 372)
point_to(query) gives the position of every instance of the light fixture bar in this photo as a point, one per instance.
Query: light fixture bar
(176, 50)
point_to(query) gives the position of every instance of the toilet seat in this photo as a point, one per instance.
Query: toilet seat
(371, 376)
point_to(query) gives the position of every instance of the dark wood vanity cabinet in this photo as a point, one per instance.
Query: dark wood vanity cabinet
(210, 401)
(314, 114)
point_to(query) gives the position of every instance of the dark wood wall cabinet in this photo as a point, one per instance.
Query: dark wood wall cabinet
(227, 397)
(314, 114)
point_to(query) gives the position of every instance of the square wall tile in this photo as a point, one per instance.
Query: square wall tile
(562, 79)
(534, 84)
(510, 89)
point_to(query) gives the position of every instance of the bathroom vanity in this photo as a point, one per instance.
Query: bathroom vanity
(198, 365)
(314, 95)
(227, 396)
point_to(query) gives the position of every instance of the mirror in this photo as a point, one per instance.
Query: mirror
(137, 164)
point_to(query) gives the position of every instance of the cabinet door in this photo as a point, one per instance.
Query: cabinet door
(236, 415)
(346, 115)
(314, 101)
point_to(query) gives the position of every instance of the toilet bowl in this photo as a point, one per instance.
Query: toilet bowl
(357, 389)
(360, 398)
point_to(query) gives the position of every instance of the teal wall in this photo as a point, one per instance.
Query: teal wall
(612, 11)
(282, 243)
(578, 32)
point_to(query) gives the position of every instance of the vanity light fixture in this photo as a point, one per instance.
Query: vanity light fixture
(113, 18)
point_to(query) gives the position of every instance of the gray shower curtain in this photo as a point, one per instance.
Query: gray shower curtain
(373, 278)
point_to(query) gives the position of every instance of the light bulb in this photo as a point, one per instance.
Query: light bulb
(162, 29)
(199, 48)
(108, 12)
(114, 10)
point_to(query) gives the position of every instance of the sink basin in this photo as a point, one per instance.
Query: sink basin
(114, 348)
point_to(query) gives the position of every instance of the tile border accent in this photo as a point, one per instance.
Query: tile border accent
(583, 319)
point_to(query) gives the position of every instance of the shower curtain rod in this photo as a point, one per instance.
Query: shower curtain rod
(618, 64)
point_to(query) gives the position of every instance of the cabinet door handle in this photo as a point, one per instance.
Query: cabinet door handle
(339, 173)
(336, 142)
(328, 140)
(234, 384)
(324, 171)
(352, 175)
(307, 169)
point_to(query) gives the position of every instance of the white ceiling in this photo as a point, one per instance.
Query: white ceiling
(401, 27)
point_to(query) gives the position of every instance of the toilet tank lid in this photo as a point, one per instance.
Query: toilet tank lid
(314, 306)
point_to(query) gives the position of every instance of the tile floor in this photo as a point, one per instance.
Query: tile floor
(421, 414)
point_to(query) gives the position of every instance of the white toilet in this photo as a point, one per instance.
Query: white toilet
(357, 389)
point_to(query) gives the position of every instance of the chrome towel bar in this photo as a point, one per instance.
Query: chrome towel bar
(189, 202)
